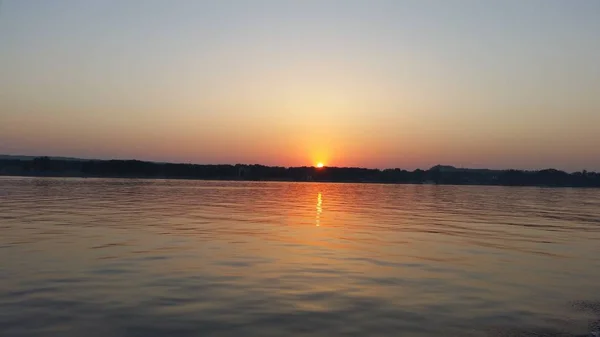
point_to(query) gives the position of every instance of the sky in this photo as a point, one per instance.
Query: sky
(378, 84)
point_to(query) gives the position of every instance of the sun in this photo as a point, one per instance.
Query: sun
(320, 165)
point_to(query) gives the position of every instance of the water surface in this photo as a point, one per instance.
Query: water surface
(117, 257)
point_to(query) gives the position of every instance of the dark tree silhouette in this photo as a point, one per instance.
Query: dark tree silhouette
(45, 166)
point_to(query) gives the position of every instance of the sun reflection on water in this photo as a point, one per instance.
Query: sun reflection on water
(319, 209)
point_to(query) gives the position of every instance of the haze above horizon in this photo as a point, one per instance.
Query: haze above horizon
(375, 84)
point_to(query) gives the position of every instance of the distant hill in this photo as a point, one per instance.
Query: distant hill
(16, 157)
(450, 168)
(443, 168)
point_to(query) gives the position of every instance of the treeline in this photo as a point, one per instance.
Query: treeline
(45, 166)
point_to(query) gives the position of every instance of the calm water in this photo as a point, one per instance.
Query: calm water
(104, 257)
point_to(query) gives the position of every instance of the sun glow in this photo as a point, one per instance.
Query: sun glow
(320, 165)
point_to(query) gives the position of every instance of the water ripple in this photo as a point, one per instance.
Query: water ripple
(118, 257)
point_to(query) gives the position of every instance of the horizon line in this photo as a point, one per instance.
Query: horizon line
(31, 157)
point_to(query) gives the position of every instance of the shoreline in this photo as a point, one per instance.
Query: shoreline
(437, 175)
(2, 175)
